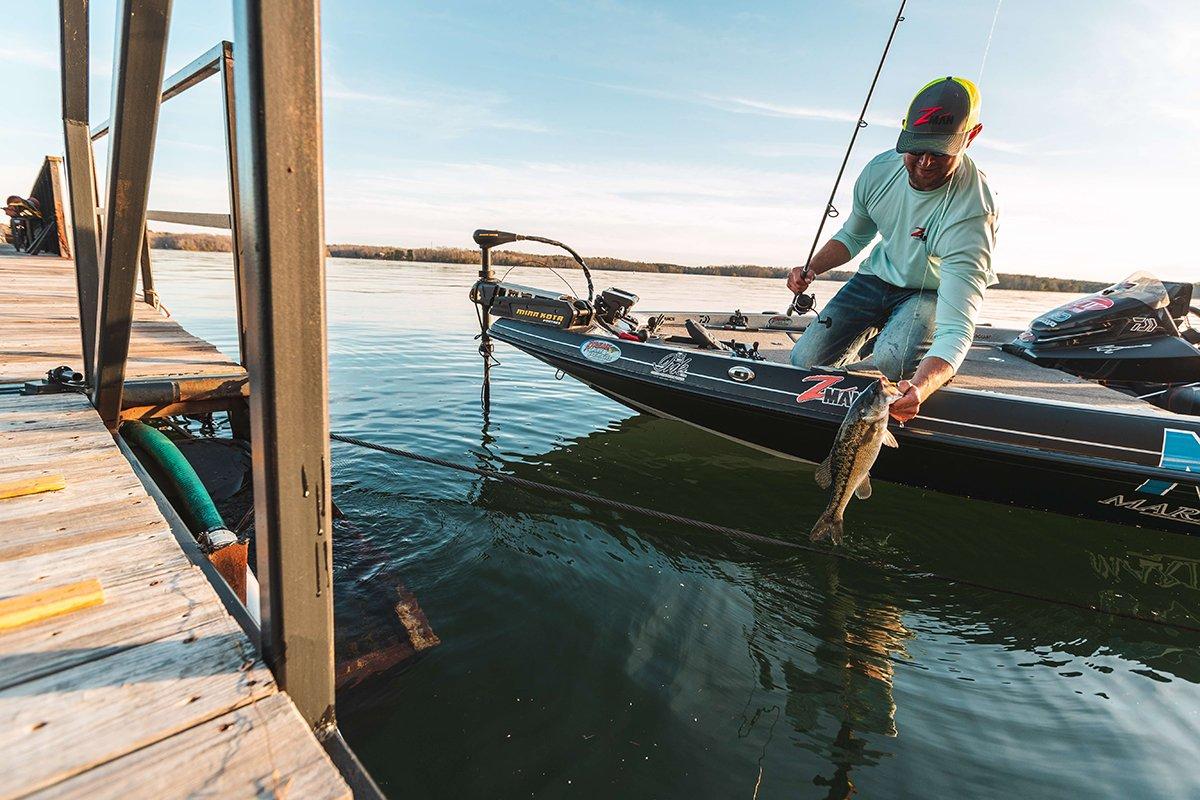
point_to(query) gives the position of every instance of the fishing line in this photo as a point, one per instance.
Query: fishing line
(746, 536)
(987, 47)
(830, 211)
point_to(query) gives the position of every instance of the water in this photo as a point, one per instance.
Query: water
(590, 654)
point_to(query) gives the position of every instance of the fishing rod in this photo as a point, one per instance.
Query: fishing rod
(802, 303)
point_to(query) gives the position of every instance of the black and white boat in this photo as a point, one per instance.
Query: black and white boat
(1014, 426)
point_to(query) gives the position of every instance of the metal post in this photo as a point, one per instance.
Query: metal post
(149, 296)
(81, 184)
(138, 60)
(279, 182)
(229, 108)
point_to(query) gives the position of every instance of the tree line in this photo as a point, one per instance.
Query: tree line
(218, 243)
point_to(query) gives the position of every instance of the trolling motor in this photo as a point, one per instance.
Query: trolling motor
(610, 309)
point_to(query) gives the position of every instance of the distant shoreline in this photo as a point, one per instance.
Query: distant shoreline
(216, 243)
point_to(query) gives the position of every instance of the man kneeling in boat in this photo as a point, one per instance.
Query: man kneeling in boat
(921, 287)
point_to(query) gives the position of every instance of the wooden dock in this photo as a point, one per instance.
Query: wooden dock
(39, 328)
(157, 692)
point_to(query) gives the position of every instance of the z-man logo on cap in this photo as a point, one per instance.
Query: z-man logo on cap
(927, 115)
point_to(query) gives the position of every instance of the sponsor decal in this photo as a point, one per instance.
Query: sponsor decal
(540, 316)
(823, 389)
(1143, 325)
(779, 321)
(600, 351)
(1109, 349)
(673, 367)
(840, 397)
(918, 233)
(1059, 316)
(1094, 303)
(930, 116)
(1026, 336)
(1181, 451)
(1150, 508)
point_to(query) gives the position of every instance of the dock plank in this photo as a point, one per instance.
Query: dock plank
(156, 692)
(39, 328)
(259, 750)
(66, 723)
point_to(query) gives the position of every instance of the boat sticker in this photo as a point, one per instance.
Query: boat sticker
(779, 321)
(840, 397)
(1109, 349)
(1181, 451)
(1094, 303)
(741, 374)
(600, 351)
(1059, 316)
(540, 316)
(1143, 325)
(673, 367)
(822, 390)
(1026, 336)
(1150, 508)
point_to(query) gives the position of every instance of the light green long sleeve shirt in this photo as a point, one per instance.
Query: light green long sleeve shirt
(940, 239)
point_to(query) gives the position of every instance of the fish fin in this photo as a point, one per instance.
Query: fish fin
(829, 526)
(889, 439)
(824, 476)
(864, 489)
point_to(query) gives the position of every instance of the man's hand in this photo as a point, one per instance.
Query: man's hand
(800, 279)
(932, 374)
(908, 404)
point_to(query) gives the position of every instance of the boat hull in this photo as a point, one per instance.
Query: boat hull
(1034, 454)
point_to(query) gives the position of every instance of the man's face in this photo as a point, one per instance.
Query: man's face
(928, 171)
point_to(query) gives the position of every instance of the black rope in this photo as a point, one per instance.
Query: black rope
(830, 210)
(745, 536)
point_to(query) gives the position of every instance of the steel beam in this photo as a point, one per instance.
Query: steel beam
(201, 67)
(81, 183)
(281, 237)
(149, 296)
(229, 111)
(138, 59)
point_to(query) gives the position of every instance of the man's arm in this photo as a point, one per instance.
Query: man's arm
(831, 256)
(856, 233)
(966, 271)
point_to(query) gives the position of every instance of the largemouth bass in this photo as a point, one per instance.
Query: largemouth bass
(846, 471)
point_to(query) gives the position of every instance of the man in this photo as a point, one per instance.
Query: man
(922, 285)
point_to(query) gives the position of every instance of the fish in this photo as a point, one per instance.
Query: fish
(847, 469)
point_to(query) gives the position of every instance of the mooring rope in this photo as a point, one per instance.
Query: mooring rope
(747, 536)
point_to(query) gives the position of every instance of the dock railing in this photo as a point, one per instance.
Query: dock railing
(272, 112)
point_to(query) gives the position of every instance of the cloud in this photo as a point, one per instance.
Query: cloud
(29, 56)
(444, 112)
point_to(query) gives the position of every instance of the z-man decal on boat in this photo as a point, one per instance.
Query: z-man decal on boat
(817, 392)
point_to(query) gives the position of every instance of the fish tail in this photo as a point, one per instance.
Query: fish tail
(829, 526)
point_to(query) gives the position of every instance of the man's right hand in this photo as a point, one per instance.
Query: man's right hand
(800, 279)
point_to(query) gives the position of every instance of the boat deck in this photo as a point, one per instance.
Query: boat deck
(987, 368)
(158, 681)
(39, 328)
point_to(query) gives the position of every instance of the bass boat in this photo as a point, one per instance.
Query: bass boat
(1090, 412)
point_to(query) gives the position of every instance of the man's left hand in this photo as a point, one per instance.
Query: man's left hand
(908, 404)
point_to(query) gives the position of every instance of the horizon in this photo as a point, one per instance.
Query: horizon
(673, 134)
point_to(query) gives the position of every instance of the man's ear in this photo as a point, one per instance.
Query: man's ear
(978, 129)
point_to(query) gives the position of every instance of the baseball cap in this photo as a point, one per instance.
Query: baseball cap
(940, 117)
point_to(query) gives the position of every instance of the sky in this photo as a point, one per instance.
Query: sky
(689, 132)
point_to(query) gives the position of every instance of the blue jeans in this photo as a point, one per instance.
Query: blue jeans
(864, 306)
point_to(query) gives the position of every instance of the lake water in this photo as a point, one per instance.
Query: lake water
(596, 655)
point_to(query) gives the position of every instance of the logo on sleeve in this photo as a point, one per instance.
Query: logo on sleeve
(918, 233)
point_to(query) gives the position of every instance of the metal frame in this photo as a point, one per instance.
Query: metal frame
(81, 173)
(138, 63)
(278, 133)
(217, 60)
